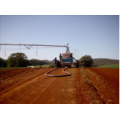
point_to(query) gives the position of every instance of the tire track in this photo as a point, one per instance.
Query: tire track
(87, 93)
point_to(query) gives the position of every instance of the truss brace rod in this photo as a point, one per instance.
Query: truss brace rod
(36, 45)
(0, 46)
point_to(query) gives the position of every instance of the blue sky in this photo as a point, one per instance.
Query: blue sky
(95, 35)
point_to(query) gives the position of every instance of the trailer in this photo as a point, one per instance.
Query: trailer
(67, 60)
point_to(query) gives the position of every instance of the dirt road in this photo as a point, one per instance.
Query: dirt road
(84, 86)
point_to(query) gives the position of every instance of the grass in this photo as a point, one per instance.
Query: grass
(43, 66)
(109, 66)
(5, 68)
(71, 70)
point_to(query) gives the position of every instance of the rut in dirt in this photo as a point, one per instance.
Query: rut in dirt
(21, 78)
(86, 91)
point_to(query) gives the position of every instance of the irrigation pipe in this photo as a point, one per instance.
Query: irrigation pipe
(68, 74)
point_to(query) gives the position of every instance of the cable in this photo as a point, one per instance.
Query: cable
(0, 46)
(5, 50)
(20, 48)
(36, 51)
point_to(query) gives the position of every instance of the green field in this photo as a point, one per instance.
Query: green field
(44, 66)
(109, 66)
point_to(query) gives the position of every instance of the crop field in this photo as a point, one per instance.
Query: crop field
(44, 66)
(84, 86)
(109, 66)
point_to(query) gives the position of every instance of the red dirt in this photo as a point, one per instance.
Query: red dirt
(84, 86)
(11, 72)
(106, 81)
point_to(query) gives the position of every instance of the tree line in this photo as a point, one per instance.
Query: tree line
(20, 60)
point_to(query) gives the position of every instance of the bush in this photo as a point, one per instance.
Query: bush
(86, 61)
(17, 60)
(51, 66)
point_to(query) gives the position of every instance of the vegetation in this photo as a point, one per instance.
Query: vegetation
(17, 60)
(45, 66)
(109, 66)
(102, 61)
(86, 61)
(34, 62)
(20, 60)
(3, 63)
(51, 66)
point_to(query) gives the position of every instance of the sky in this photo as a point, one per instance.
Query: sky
(94, 35)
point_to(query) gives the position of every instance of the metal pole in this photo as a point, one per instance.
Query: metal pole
(28, 46)
(20, 49)
(36, 45)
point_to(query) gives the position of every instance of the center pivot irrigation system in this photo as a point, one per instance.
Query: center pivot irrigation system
(66, 59)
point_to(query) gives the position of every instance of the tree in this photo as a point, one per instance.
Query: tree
(38, 62)
(3, 63)
(17, 60)
(86, 61)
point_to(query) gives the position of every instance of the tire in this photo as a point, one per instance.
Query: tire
(77, 64)
(58, 64)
